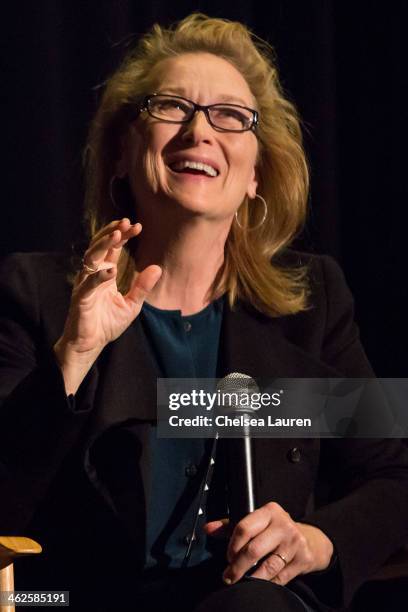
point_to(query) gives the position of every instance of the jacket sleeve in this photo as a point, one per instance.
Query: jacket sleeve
(366, 514)
(39, 423)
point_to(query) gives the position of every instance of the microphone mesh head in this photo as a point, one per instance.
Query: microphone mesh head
(237, 388)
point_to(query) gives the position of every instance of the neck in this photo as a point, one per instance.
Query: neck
(190, 253)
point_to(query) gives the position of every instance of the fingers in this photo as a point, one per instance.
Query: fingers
(91, 282)
(142, 285)
(103, 255)
(115, 251)
(249, 527)
(107, 244)
(270, 538)
(275, 563)
(218, 529)
(292, 552)
(251, 553)
(98, 250)
(107, 229)
(288, 573)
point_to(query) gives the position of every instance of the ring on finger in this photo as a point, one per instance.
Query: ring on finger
(89, 269)
(281, 557)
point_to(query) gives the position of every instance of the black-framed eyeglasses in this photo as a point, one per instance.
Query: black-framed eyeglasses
(225, 117)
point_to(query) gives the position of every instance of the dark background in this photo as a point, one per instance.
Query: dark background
(343, 63)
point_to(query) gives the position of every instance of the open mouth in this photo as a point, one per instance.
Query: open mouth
(193, 167)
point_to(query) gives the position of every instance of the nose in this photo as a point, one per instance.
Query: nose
(198, 129)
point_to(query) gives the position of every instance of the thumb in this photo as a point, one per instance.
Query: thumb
(218, 529)
(143, 283)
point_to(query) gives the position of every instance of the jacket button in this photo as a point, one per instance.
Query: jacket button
(191, 470)
(294, 455)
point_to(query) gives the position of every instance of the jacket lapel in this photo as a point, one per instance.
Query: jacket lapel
(128, 378)
(254, 344)
(126, 396)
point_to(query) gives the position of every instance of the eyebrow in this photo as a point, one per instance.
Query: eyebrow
(180, 91)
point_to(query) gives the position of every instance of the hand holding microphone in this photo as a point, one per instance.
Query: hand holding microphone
(265, 538)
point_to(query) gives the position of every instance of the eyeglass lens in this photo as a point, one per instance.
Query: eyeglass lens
(223, 116)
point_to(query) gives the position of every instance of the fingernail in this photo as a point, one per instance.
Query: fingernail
(226, 578)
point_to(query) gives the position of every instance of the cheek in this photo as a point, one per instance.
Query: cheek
(243, 161)
(251, 157)
(147, 166)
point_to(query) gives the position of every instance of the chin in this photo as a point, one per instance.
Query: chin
(188, 200)
(195, 207)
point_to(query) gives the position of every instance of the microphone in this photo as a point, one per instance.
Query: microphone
(238, 451)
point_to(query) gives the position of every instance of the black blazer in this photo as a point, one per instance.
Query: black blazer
(62, 462)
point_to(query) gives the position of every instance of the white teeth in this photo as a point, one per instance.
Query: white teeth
(195, 166)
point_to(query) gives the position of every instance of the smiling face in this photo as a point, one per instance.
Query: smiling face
(201, 169)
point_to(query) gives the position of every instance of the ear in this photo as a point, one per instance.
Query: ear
(252, 185)
(121, 168)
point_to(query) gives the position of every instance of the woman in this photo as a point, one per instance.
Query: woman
(195, 142)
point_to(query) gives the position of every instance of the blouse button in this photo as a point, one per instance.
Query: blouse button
(187, 326)
(191, 470)
(294, 455)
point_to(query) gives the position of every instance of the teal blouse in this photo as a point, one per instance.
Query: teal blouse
(183, 347)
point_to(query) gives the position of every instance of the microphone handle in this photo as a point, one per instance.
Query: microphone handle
(240, 477)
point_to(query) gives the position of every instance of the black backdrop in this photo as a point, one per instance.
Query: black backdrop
(343, 63)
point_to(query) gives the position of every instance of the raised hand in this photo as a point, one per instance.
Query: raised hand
(98, 312)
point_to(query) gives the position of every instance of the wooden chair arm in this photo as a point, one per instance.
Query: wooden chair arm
(12, 547)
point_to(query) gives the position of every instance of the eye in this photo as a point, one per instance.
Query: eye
(230, 112)
(163, 104)
(169, 105)
(231, 115)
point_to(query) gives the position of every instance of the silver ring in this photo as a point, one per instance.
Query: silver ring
(280, 557)
(88, 269)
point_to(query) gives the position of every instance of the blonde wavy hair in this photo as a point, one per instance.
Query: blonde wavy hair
(250, 271)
